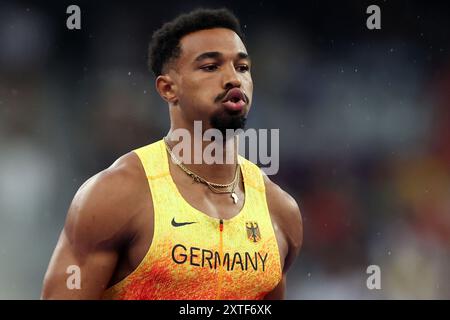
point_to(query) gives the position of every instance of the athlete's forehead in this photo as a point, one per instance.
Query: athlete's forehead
(224, 42)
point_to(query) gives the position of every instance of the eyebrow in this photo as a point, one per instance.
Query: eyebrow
(216, 55)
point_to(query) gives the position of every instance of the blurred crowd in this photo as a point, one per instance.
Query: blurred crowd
(364, 123)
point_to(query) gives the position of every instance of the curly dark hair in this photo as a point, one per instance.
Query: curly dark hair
(165, 43)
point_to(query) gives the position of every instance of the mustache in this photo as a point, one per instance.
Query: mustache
(221, 96)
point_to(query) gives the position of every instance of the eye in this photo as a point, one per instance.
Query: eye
(209, 67)
(243, 68)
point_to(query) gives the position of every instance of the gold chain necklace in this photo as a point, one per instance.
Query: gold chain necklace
(214, 187)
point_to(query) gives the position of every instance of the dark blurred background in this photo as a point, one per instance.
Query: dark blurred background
(364, 120)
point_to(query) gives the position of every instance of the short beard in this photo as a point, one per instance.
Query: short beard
(223, 120)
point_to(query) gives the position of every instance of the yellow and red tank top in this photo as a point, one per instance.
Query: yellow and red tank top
(195, 256)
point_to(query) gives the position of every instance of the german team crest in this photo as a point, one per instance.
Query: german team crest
(253, 233)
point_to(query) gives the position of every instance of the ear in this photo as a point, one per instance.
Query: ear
(166, 88)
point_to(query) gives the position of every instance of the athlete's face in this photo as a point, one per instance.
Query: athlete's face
(212, 79)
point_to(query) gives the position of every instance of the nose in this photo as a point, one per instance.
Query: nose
(231, 78)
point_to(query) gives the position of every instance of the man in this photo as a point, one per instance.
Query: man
(151, 228)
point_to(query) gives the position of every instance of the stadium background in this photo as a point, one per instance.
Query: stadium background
(364, 120)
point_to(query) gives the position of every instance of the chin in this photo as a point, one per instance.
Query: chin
(224, 120)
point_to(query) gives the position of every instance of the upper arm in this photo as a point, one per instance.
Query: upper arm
(89, 278)
(96, 226)
(292, 226)
(279, 292)
(285, 213)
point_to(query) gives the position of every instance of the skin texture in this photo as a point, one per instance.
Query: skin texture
(109, 225)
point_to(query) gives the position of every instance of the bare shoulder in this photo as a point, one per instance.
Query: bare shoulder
(286, 214)
(104, 206)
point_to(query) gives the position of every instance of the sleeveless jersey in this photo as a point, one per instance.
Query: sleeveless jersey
(195, 256)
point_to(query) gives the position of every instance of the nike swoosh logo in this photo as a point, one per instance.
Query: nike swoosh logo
(180, 224)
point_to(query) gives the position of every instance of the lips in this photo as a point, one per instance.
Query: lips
(234, 100)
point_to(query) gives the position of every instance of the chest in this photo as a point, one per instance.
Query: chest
(200, 242)
(201, 239)
(195, 254)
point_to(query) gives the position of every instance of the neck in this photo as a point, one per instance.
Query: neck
(214, 161)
